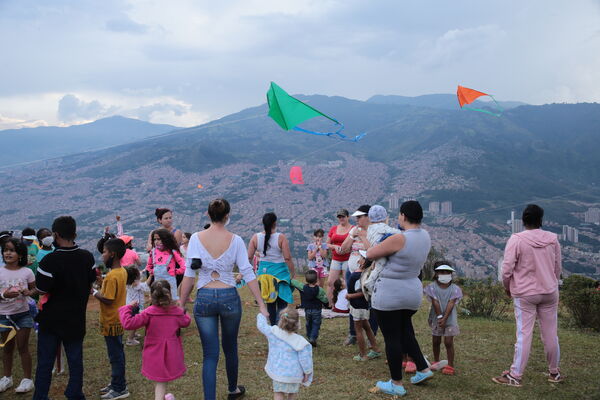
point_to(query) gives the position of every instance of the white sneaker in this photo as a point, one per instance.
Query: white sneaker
(25, 386)
(131, 342)
(5, 383)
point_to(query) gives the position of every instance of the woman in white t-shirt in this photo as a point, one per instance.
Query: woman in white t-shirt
(211, 256)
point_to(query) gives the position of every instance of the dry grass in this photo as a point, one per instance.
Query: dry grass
(483, 349)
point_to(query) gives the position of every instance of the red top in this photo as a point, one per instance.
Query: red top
(338, 240)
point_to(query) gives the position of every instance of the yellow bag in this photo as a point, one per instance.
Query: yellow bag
(268, 287)
(11, 334)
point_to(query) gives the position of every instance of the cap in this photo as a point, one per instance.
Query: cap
(444, 268)
(377, 213)
(126, 238)
(363, 253)
(342, 212)
(362, 210)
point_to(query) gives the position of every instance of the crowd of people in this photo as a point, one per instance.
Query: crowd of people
(370, 271)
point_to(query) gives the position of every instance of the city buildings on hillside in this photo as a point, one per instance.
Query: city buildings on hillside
(516, 224)
(443, 208)
(570, 234)
(592, 216)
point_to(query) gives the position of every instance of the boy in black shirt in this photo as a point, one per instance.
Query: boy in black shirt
(64, 277)
(359, 309)
(312, 306)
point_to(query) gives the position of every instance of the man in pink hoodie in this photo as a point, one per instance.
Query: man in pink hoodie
(530, 274)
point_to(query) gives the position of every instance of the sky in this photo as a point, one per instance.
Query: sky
(186, 62)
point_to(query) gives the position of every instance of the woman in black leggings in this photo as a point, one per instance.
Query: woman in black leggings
(397, 295)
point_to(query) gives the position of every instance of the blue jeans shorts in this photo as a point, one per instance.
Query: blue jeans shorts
(20, 320)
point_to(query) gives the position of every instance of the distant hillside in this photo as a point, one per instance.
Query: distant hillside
(444, 101)
(29, 144)
(486, 165)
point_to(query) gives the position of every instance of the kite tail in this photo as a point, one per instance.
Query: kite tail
(337, 133)
(499, 112)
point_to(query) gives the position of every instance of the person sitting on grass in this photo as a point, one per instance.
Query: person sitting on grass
(112, 296)
(289, 362)
(444, 296)
(162, 357)
(339, 297)
(359, 309)
(312, 306)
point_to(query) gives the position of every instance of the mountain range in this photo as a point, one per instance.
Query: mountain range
(30, 144)
(486, 165)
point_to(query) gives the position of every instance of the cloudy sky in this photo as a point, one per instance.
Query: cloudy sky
(185, 62)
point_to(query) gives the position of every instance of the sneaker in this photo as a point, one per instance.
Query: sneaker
(389, 388)
(114, 395)
(359, 358)
(105, 389)
(438, 365)
(411, 367)
(373, 354)
(421, 377)
(5, 383)
(350, 340)
(25, 386)
(507, 379)
(131, 342)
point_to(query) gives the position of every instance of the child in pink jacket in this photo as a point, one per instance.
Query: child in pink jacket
(162, 357)
(530, 273)
(165, 261)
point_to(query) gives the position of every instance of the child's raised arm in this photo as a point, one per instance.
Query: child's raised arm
(262, 325)
(132, 322)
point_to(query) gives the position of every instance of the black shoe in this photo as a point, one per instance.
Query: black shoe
(238, 395)
(313, 343)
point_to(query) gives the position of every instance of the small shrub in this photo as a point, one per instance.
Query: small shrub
(484, 298)
(582, 300)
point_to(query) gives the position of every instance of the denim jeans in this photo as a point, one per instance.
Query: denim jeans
(47, 347)
(214, 306)
(116, 356)
(372, 318)
(274, 309)
(313, 323)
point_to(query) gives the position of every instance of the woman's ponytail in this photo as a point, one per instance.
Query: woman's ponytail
(268, 221)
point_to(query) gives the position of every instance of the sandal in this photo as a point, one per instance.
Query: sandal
(373, 354)
(507, 379)
(411, 367)
(390, 388)
(421, 377)
(556, 378)
(359, 358)
(448, 370)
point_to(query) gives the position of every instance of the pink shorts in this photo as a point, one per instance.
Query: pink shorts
(321, 272)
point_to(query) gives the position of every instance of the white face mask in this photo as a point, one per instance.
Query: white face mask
(47, 241)
(444, 278)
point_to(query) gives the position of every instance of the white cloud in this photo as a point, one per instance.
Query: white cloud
(184, 61)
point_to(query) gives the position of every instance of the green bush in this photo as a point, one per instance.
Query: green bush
(484, 298)
(582, 300)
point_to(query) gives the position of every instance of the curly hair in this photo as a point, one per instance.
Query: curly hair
(167, 239)
(160, 293)
(20, 249)
(289, 320)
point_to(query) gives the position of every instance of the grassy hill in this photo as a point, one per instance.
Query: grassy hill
(483, 349)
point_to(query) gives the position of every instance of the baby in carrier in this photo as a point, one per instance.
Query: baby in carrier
(378, 231)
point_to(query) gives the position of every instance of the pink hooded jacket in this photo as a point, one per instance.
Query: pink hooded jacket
(532, 263)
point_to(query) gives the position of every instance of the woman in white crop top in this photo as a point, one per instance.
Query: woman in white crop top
(211, 256)
(275, 260)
